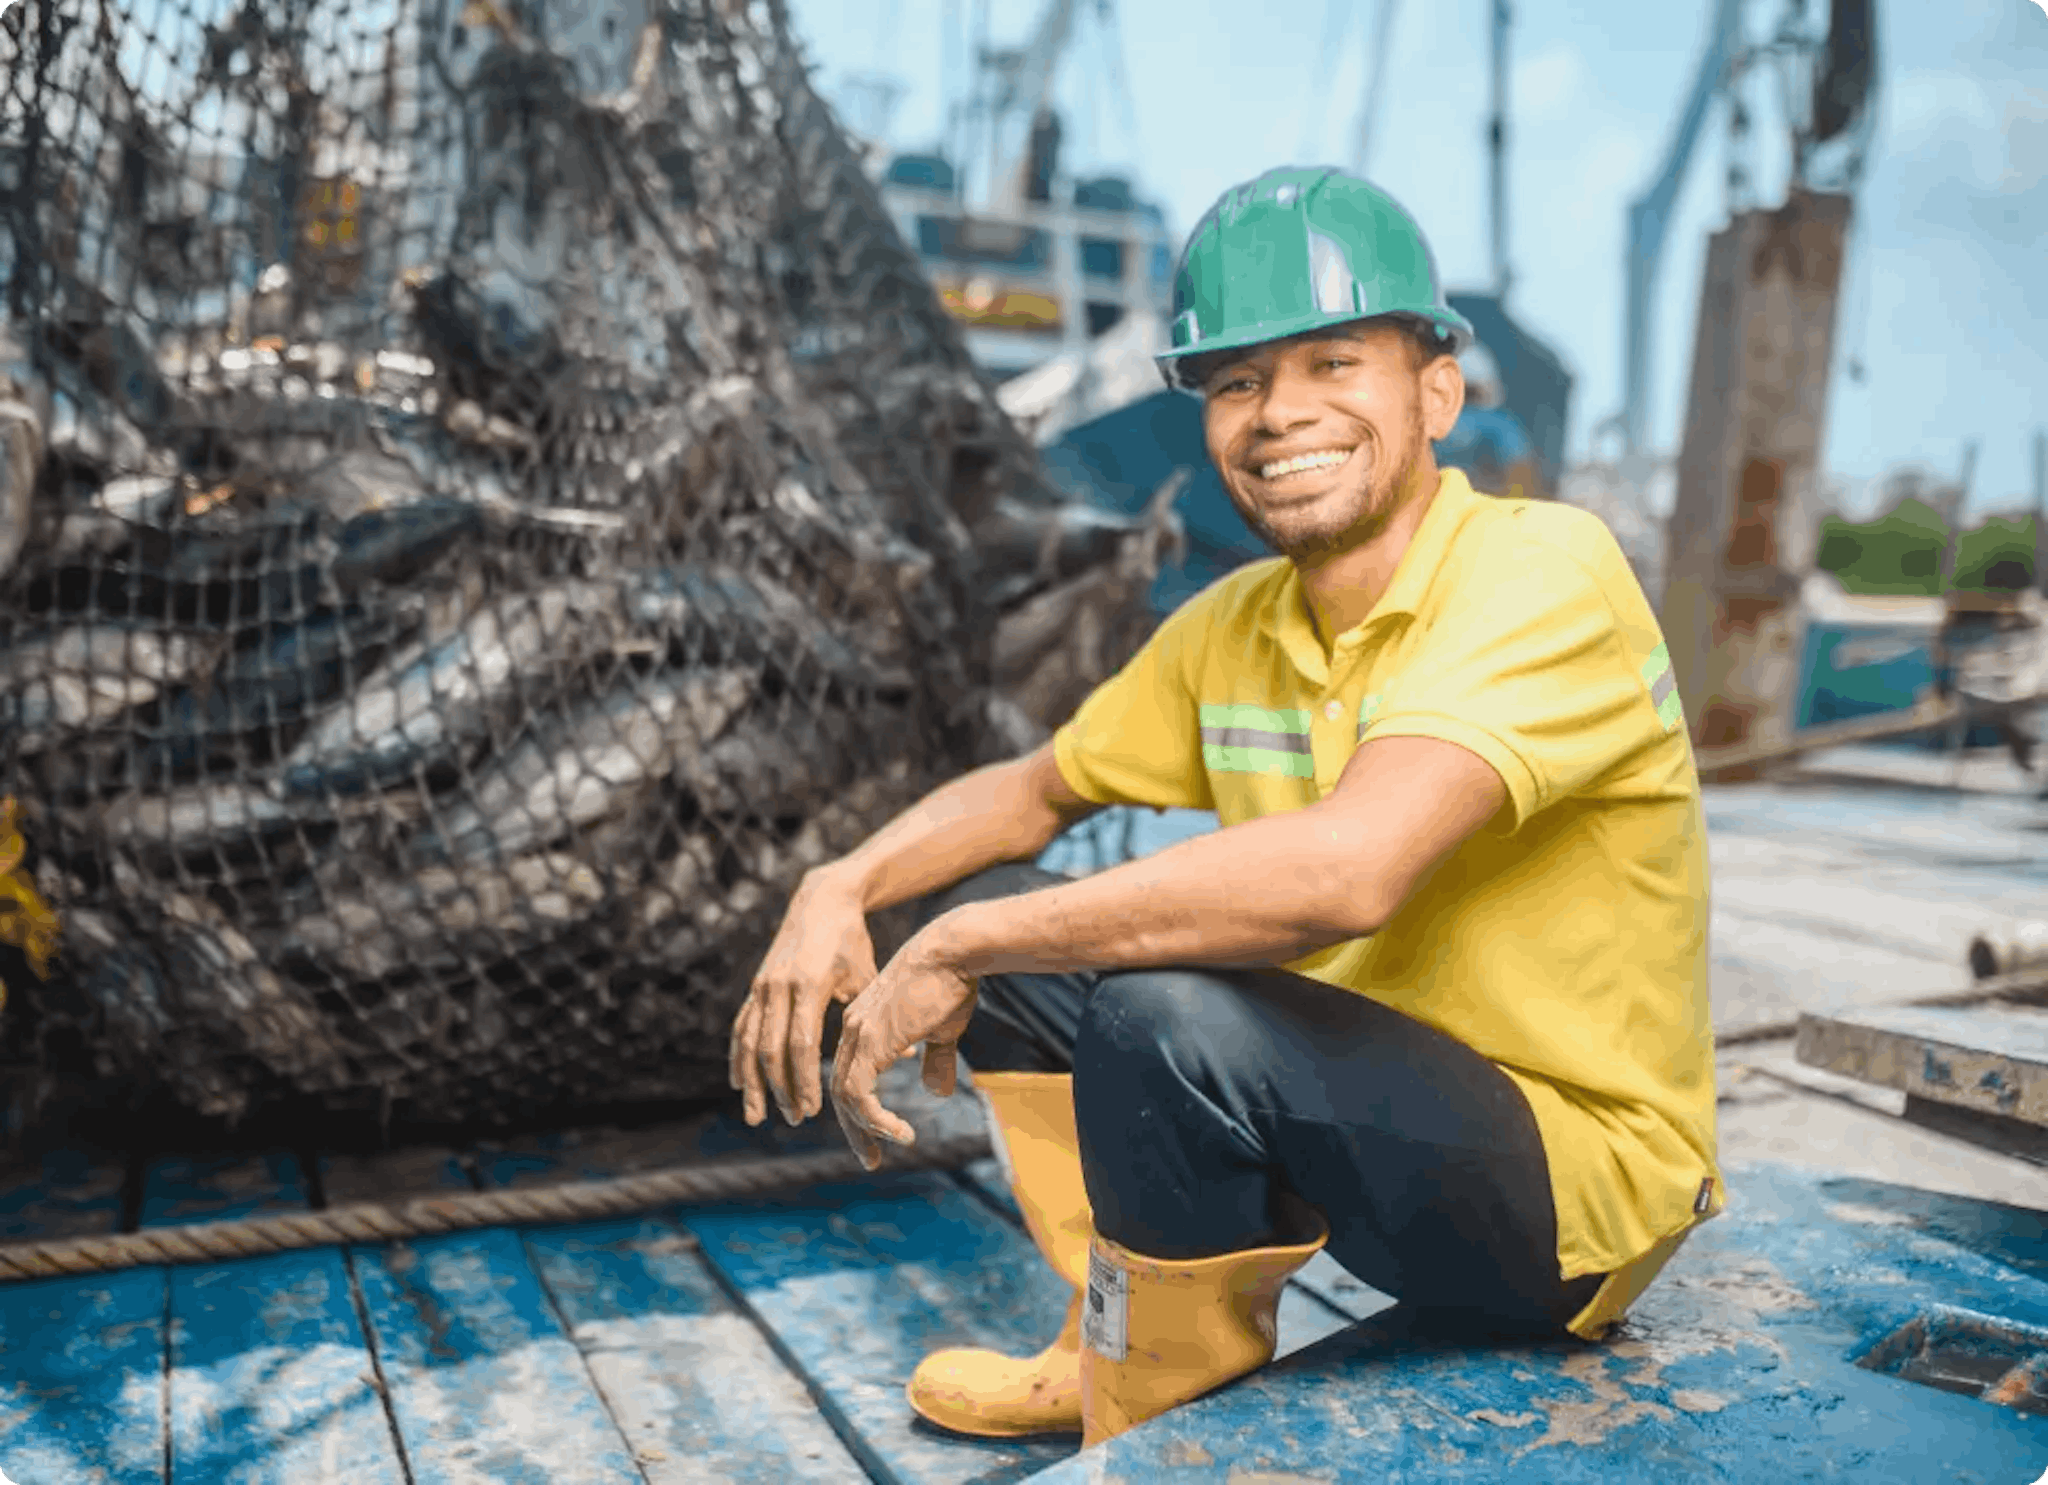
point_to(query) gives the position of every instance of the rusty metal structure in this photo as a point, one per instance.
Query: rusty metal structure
(1741, 531)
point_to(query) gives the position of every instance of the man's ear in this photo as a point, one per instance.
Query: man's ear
(1443, 396)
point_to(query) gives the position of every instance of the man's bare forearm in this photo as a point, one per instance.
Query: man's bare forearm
(1262, 892)
(1266, 891)
(1005, 812)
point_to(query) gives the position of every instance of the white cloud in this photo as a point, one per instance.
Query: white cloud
(1926, 111)
(1923, 102)
(2025, 131)
(1549, 84)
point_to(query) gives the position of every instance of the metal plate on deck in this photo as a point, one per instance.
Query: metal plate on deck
(1993, 1059)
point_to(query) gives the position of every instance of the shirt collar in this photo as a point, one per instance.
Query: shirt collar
(1455, 500)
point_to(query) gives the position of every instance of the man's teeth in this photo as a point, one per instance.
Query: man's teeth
(1296, 465)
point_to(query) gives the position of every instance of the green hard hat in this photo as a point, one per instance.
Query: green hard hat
(1299, 249)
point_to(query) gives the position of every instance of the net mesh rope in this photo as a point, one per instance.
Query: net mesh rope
(490, 502)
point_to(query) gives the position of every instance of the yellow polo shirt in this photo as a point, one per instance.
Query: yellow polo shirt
(1566, 941)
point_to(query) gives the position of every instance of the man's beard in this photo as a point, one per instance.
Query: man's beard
(1382, 499)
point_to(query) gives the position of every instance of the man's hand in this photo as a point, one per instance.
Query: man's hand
(821, 953)
(918, 998)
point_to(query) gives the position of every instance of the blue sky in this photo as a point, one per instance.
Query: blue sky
(1946, 298)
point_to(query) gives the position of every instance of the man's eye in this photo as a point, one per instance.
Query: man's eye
(1334, 361)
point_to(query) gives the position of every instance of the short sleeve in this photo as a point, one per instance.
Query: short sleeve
(1529, 666)
(1137, 739)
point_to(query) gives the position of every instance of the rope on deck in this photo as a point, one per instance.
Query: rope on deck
(426, 1216)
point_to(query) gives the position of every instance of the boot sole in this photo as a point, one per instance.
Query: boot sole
(977, 1429)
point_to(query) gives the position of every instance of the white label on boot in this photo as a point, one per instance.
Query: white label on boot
(1105, 1318)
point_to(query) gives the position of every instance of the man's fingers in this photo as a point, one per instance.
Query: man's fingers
(773, 1056)
(737, 1047)
(941, 1066)
(849, 1077)
(863, 1144)
(806, 1053)
(754, 1106)
(867, 1123)
(861, 1114)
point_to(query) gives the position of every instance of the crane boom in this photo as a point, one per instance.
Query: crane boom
(1649, 217)
(1026, 89)
(1375, 90)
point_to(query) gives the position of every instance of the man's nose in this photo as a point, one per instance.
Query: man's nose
(1287, 405)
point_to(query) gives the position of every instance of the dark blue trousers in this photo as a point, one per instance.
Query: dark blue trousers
(1213, 1104)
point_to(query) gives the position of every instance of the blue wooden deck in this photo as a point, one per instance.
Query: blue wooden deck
(769, 1340)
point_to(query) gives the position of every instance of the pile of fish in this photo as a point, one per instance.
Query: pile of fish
(475, 529)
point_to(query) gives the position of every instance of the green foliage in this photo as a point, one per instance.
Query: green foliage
(1900, 553)
(1839, 551)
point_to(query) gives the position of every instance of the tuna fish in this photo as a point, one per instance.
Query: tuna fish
(289, 673)
(431, 699)
(392, 925)
(85, 676)
(594, 763)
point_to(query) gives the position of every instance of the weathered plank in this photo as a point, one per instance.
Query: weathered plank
(859, 1282)
(1765, 973)
(81, 1359)
(692, 1383)
(271, 1378)
(694, 1386)
(61, 1193)
(1953, 832)
(1737, 1365)
(82, 1375)
(1793, 1122)
(483, 1381)
(1919, 914)
(394, 1175)
(596, 1153)
(1993, 1059)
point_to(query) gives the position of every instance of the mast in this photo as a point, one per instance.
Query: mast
(1497, 148)
(2041, 509)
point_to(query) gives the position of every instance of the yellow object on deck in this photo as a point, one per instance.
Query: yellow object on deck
(26, 921)
(985, 1393)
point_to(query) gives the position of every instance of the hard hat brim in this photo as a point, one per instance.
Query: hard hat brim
(1447, 321)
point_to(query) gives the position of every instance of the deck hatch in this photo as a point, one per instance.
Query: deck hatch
(1984, 1356)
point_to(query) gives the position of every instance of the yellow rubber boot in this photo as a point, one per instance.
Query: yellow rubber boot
(1031, 1117)
(1159, 1333)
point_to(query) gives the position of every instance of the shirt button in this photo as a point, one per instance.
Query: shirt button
(1333, 708)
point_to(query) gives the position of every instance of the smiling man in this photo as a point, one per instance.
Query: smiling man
(1434, 994)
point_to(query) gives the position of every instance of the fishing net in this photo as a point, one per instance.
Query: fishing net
(486, 501)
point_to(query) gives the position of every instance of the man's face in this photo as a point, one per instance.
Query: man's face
(1319, 440)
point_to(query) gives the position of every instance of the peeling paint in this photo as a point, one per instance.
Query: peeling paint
(1505, 1420)
(1610, 1408)
(1186, 1452)
(1732, 1300)
(1694, 1400)
(675, 1242)
(1868, 1216)
(2007, 1094)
